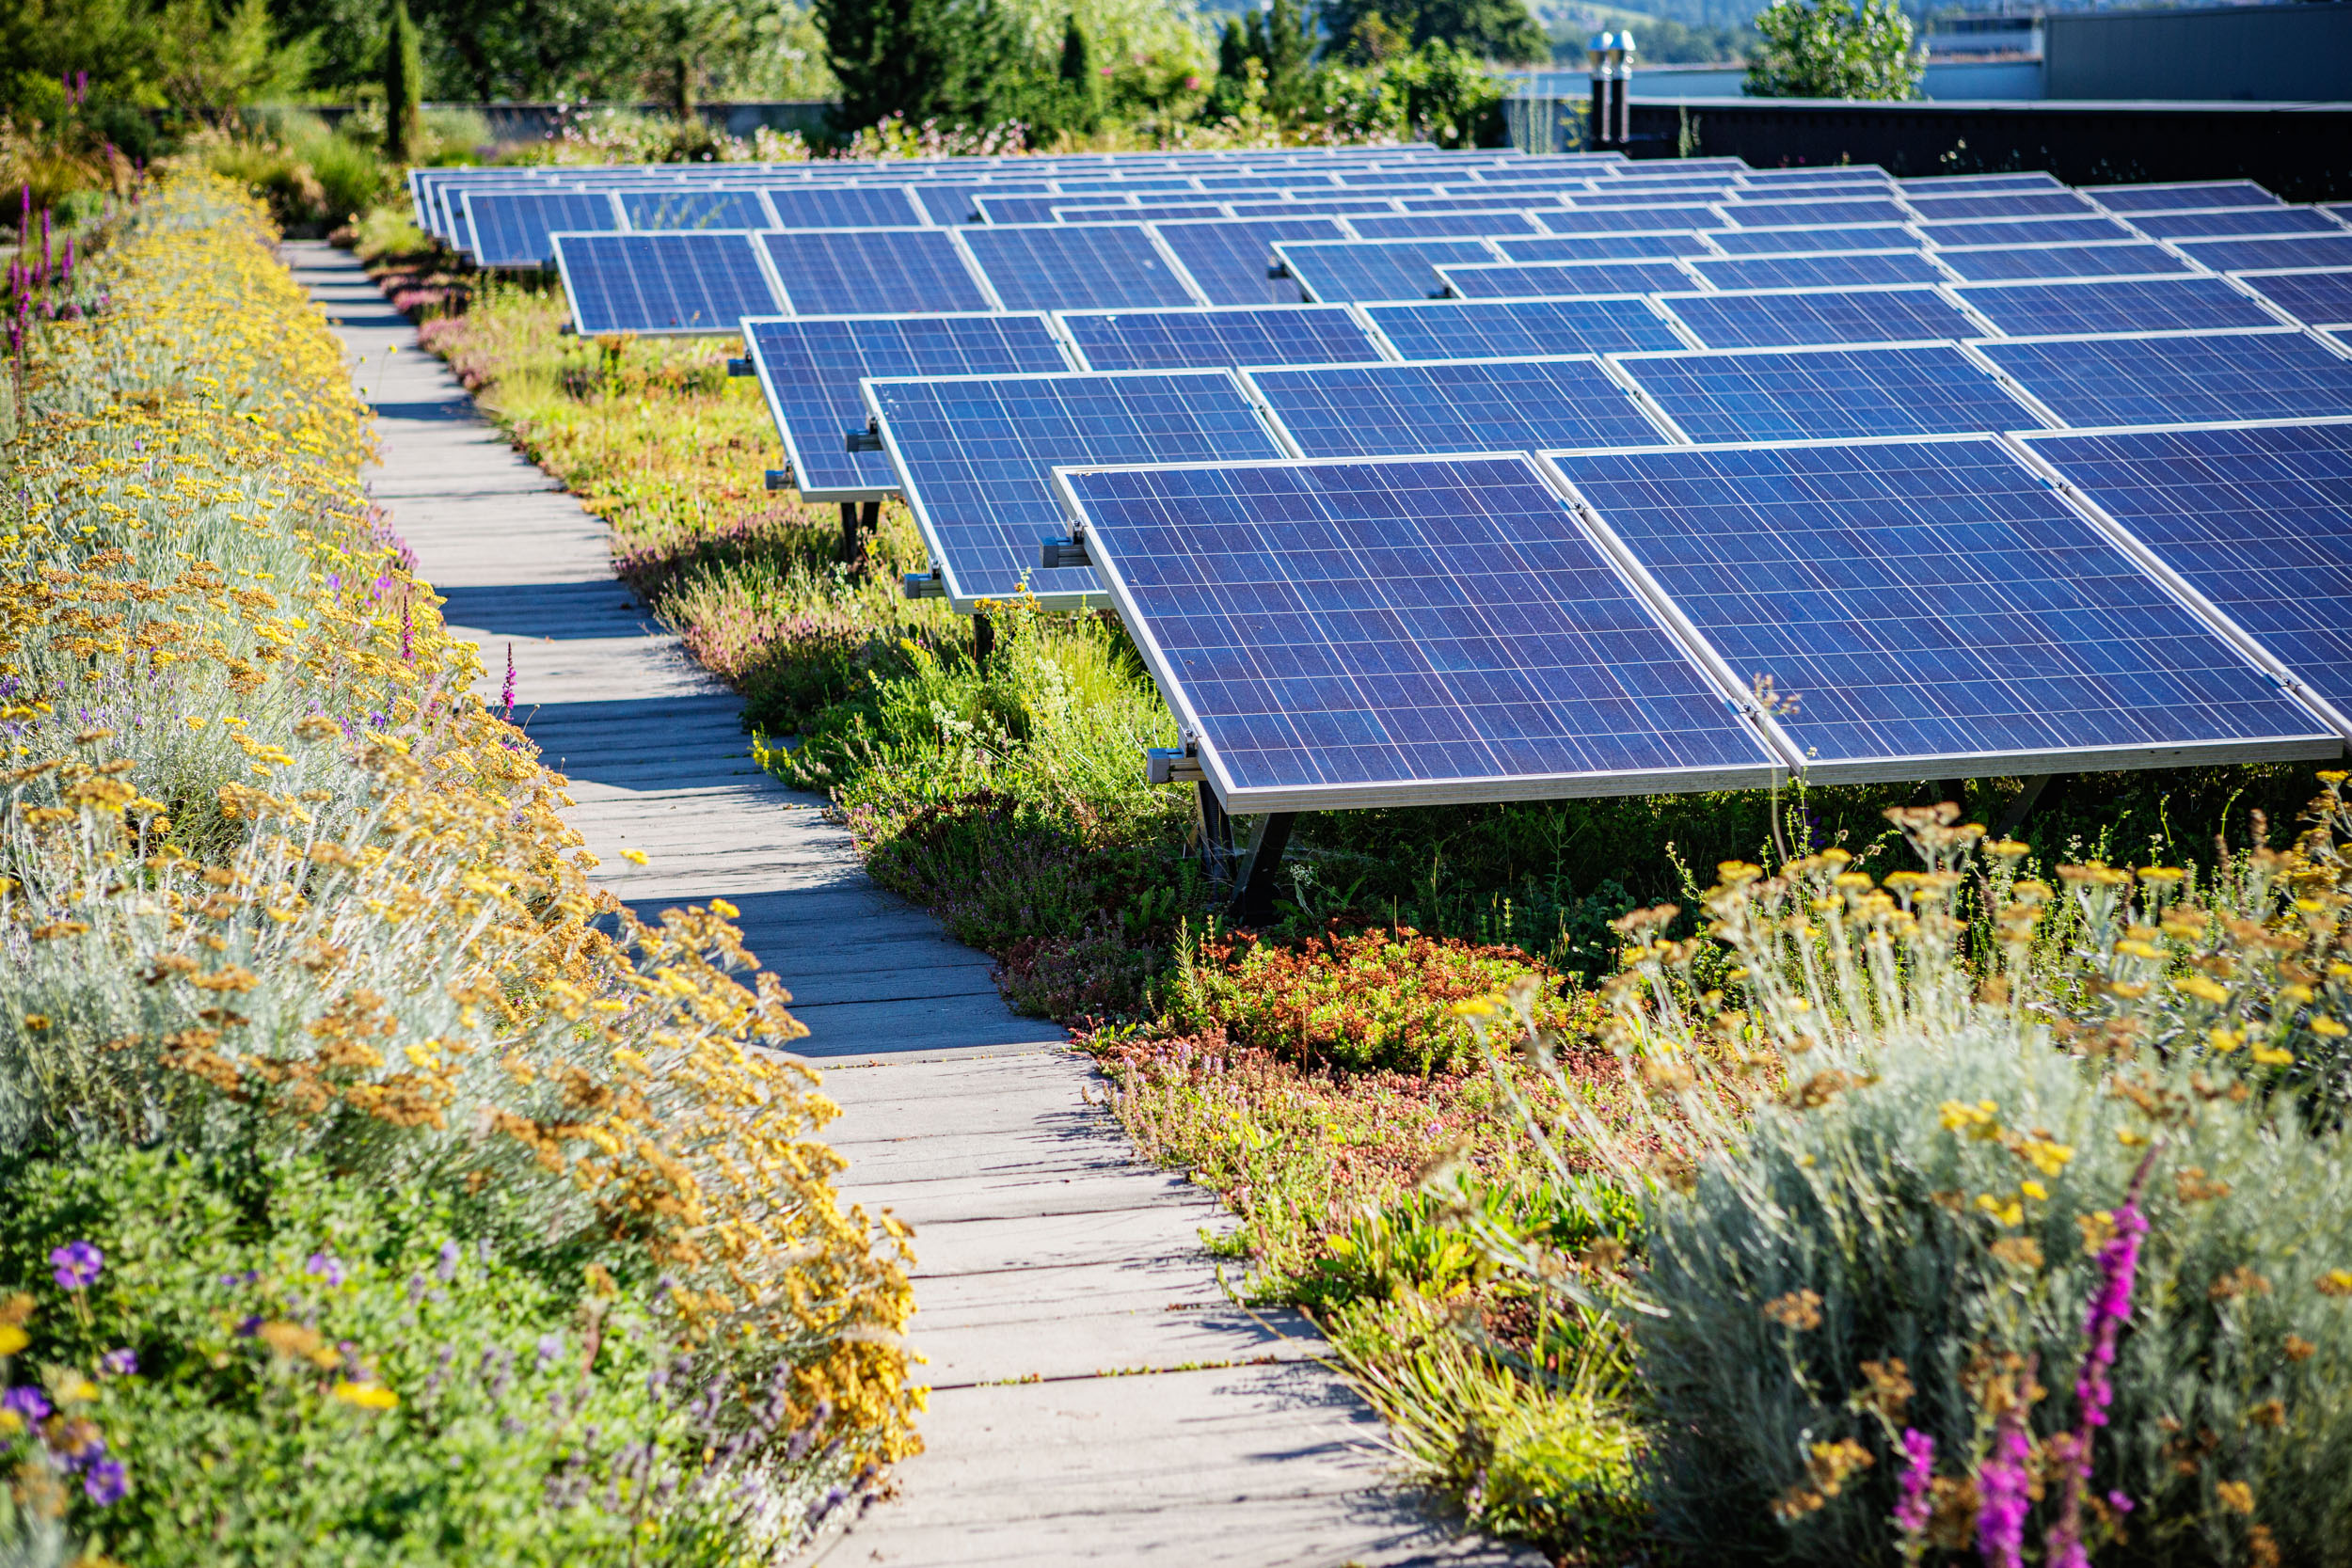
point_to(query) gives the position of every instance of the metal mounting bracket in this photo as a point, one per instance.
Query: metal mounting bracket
(780, 478)
(923, 585)
(740, 367)
(1063, 552)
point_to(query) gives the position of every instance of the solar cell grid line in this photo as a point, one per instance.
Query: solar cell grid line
(2097, 259)
(809, 368)
(1353, 270)
(1613, 200)
(2182, 196)
(1999, 205)
(1791, 318)
(2300, 250)
(2236, 222)
(847, 207)
(1449, 405)
(1938, 609)
(1415, 631)
(973, 455)
(513, 230)
(1932, 184)
(454, 225)
(1687, 217)
(827, 272)
(1822, 393)
(2025, 231)
(1519, 328)
(1441, 225)
(2070, 307)
(951, 203)
(1562, 279)
(1312, 207)
(657, 212)
(2316, 296)
(1793, 214)
(1829, 237)
(1214, 336)
(1600, 248)
(1230, 262)
(1829, 270)
(1077, 266)
(686, 283)
(2178, 379)
(2255, 519)
(1040, 209)
(1142, 214)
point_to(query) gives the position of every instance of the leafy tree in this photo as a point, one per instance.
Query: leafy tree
(962, 62)
(404, 87)
(1280, 43)
(1081, 86)
(1835, 49)
(1487, 29)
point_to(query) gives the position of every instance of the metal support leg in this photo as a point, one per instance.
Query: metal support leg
(851, 553)
(2046, 790)
(1253, 895)
(1217, 834)
(983, 639)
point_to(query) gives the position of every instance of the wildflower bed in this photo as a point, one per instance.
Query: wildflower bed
(376, 1189)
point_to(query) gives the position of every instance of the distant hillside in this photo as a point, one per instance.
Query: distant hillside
(1658, 38)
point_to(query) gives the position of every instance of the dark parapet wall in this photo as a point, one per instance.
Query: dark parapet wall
(2303, 152)
(2278, 53)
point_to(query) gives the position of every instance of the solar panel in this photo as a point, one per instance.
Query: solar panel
(2258, 520)
(1936, 184)
(512, 230)
(1230, 260)
(1830, 237)
(809, 368)
(1229, 335)
(2027, 231)
(1542, 279)
(1364, 634)
(1626, 220)
(1791, 318)
(1156, 213)
(2303, 250)
(2317, 297)
(1838, 270)
(2101, 259)
(952, 203)
(830, 272)
(1786, 214)
(1492, 329)
(1318, 207)
(1599, 248)
(2265, 373)
(1036, 209)
(973, 456)
(2113, 305)
(684, 284)
(1999, 205)
(2186, 197)
(1438, 226)
(2234, 221)
(1650, 197)
(1451, 405)
(1076, 266)
(849, 207)
(1935, 609)
(653, 212)
(1347, 269)
(1801, 394)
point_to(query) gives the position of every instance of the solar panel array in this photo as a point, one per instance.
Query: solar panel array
(1432, 476)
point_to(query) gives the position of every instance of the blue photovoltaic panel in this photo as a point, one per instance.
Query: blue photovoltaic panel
(511, 230)
(952, 203)
(1795, 395)
(687, 283)
(2092, 382)
(1622, 220)
(1231, 259)
(1786, 214)
(2113, 305)
(1461, 406)
(1932, 599)
(1520, 197)
(1314, 207)
(2027, 231)
(2318, 298)
(809, 368)
(2181, 197)
(1339, 271)
(1946, 184)
(2013, 204)
(1370, 634)
(1791, 319)
(2301, 250)
(1490, 330)
(830, 272)
(1439, 226)
(1842, 270)
(1076, 266)
(975, 460)
(652, 211)
(1853, 236)
(1555, 279)
(2236, 221)
(1205, 339)
(1652, 197)
(2002, 263)
(1040, 209)
(847, 207)
(1140, 215)
(2259, 521)
(1600, 248)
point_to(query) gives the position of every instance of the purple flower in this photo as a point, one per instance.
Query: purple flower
(119, 1362)
(248, 1328)
(1914, 1509)
(325, 1266)
(26, 1404)
(506, 693)
(551, 1346)
(77, 1265)
(2002, 1490)
(105, 1483)
(448, 1267)
(2103, 1322)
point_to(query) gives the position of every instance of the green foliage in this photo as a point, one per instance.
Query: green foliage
(961, 62)
(1081, 88)
(1500, 30)
(403, 87)
(1835, 49)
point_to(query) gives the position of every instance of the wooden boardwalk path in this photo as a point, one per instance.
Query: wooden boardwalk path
(1049, 1254)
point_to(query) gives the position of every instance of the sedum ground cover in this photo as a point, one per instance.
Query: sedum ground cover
(1469, 1218)
(376, 1191)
